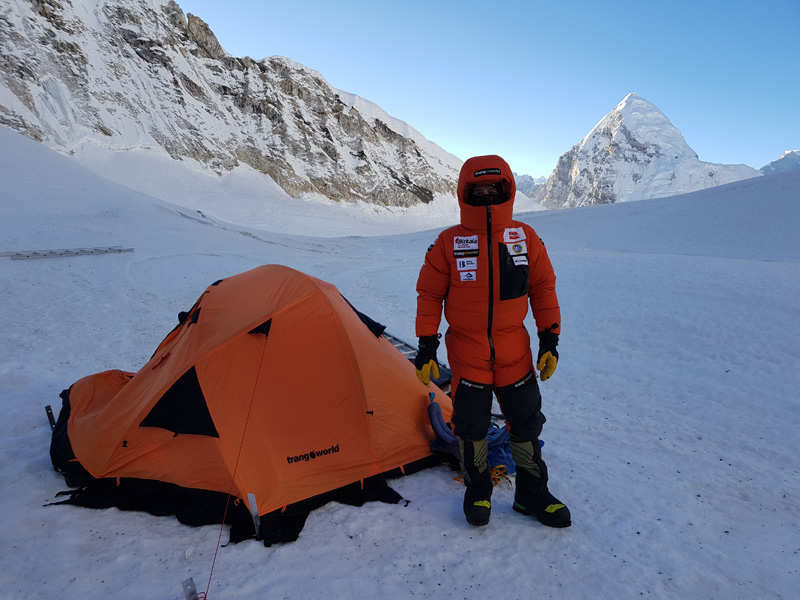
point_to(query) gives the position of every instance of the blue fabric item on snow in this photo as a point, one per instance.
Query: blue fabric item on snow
(445, 444)
(498, 440)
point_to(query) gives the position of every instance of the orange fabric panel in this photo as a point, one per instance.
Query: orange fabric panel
(305, 400)
(193, 461)
(89, 399)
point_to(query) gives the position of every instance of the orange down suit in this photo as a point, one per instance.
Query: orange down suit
(485, 272)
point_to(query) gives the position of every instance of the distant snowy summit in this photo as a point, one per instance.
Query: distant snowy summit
(140, 76)
(527, 184)
(789, 161)
(633, 153)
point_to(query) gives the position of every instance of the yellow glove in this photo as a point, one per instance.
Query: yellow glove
(425, 360)
(429, 370)
(548, 355)
(547, 365)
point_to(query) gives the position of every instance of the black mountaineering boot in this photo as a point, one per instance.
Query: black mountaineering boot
(532, 496)
(478, 478)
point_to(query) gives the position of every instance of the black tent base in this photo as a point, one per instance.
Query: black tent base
(190, 506)
(285, 525)
(203, 507)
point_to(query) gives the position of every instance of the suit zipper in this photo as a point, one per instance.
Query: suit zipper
(491, 283)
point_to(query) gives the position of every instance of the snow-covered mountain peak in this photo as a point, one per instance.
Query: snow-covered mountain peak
(788, 161)
(635, 110)
(633, 153)
(643, 126)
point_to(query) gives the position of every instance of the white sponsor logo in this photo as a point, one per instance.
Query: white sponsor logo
(520, 260)
(467, 264)
(465, 243)
(517, 248)
(514, 234)
(468, 275)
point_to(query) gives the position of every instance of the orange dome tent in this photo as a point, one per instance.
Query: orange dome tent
(273, 387)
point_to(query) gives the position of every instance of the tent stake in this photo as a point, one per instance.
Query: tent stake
(251, 498)
(190, 590)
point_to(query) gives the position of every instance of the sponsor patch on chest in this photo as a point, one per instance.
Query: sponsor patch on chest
(467, 264)
(465, 246)
(465, 251)
(517, 248)
(514, 234)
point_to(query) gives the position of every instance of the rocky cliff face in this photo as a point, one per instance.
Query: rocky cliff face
(527, 184)
(633, 153)
(139, 74)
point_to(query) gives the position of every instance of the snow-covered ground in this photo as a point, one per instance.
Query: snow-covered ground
(672, 427)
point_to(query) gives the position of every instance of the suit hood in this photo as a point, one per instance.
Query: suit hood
(486, 169)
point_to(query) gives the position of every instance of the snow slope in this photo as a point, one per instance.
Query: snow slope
(672, 418)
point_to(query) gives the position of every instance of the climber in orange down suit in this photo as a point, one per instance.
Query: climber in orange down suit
(485, 272)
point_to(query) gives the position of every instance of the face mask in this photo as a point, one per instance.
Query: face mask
(485, 200)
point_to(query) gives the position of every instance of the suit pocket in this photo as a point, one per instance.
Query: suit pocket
(514, 273)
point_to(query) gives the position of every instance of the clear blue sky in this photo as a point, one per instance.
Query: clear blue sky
(528, 79)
